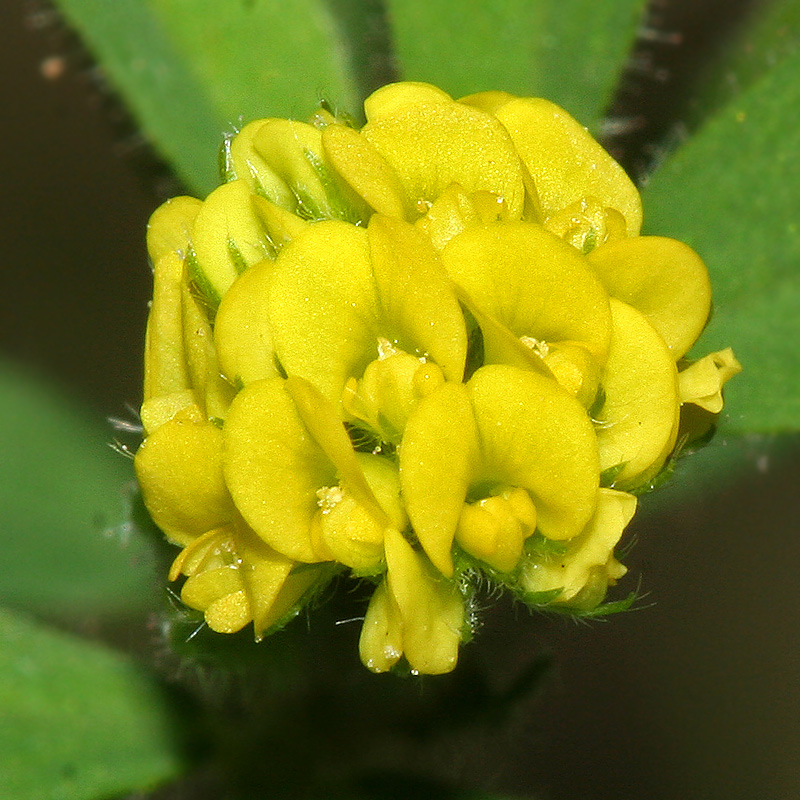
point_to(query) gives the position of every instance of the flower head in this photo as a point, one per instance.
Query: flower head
(422, 353)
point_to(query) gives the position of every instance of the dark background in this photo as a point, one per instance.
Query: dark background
(696, 696)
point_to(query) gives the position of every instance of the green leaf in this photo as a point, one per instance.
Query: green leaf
(190, 70)
(583, 48)
(77, 720)
(767, 35)
(65, 518)
(732, 194)
(258, 58)
(569, 51)
(158, 87)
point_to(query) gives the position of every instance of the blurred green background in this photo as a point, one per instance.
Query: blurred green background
(695, 695)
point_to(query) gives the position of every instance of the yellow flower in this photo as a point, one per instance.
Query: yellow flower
(424, 353)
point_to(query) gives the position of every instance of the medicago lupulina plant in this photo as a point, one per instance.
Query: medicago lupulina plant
(428, 353)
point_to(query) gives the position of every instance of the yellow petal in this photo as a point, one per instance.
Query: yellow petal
(438, 458)
(366, 171)
(494, 529)
(532, 283)
(487, 101)
(227, 237)
(320, 418)
(204, 588)
(701, 383)
(384, 480)
(490, 207)
(295, 153)
(209, 551)
(230, 613)
(500, 345)
(301, 581)
(165, 368)
(534, 435)
(170, 227)
(213, 392)
(381, 643)
(639, 419)
(662, 278)
(324, 116)
(388, 392)
(419, 309)
(322, 306)
(450, 214)
(573, 570)
(273, 467)
(242, 333)
(291, 149)
(158, 410)
(586, 224)
(455, 210)
(246, 163)
(179, 467)
(394, 97)
(281, 225)
(431, 145)
(566, 163)
(575, 369)
(264, 573)
(431, 608)
(349, 533)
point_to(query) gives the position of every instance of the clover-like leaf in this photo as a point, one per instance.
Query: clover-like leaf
(742, 219)
(79, 721)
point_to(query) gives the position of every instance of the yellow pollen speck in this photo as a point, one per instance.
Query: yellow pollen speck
(328, 497)
(539, 347)
(385, 349)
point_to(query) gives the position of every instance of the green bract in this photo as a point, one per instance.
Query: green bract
(424, 353)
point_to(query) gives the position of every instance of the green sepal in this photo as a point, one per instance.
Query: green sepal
(608, 475)
(602, 610)
(209, 294)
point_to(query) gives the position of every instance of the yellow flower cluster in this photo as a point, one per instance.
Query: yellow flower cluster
(424, 352)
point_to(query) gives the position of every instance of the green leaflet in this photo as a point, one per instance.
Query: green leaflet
(65, 508)
(770, 33)
(259, 58)
(570, 52)
(157, 85)
(583, 49)
(78, 721)
(731, 193)
(189, 73)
